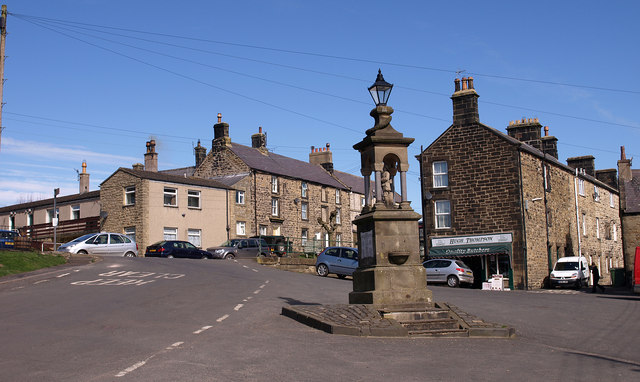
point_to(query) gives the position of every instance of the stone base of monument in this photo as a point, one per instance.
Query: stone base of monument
(413, 320)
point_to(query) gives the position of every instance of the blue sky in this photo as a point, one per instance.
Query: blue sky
(81, 84)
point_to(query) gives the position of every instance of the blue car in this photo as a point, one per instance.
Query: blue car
(8, 238)
(339, 260)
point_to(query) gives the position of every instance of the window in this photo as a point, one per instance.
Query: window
(362, 201)
(304, 190)
(30, 218)
(304, 236)
(338, 239)
(193, 199)
(75, 212)
(443, 214)
(596, 194)
(194, 236)
(547, 178)
(581, 187)
(241, 228)
(274, 207)
(337, 196)
(130, 232)
(263, 230)
(598, 228)
(440, 174)
(274, 184)
(338, 215)
(323, 194)
(130, 195)
(276, 231)
(239, 197)
(611, 200)
(304, 211)
(116, 239)
(51, 215)
(170, 197)
(614, 230)
(325, 214)
(12, 222)
(584, 225)
(170, 233)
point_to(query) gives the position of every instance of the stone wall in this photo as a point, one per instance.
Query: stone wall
(119, 215)
(631, 234)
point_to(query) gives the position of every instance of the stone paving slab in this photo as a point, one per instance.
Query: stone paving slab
(365, 320)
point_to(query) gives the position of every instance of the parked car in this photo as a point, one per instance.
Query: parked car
(339, 260)
(103, 244)
(176, 248)
(569, 273)
(8, 238)
(452, 272)
(233, 248)
(278, 245)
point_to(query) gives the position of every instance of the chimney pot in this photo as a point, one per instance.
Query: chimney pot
(546, 131)
(623, 154)
(219, 117)
(470, 79)
(457, 84)
(464, 83)
(259, 129)
(312, 148)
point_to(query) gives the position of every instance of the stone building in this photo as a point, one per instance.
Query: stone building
(311, 203)
(506, 205)
(629, 182)
(77, 214)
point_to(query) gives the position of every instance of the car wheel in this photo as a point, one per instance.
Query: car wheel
(82, 252)
(129, 254)
(322, 270)
(204, 257)
(230, 256)
(453, 281)
(342, 276)
(169, 256)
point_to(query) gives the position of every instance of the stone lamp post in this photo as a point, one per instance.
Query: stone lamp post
(390, 273)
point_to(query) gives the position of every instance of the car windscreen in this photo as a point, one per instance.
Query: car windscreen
(230, 243)
(82, 238)
(566, 266)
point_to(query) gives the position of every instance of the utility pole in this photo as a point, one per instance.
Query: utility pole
(3, 36)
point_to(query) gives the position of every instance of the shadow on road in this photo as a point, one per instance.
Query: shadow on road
(293, 301)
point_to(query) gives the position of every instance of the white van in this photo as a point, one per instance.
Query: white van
(569, 273)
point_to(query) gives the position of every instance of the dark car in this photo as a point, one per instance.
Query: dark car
(278, 245)
(8, 238)
(233, 248)
(176, 248)
(339, 260)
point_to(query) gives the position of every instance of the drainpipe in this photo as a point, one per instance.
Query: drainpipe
(227, 200)
(422, 202)
(255, 204)
(575, 189)
(546, 212)
(524, 225)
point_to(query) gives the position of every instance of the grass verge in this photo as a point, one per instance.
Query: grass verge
(12, 262)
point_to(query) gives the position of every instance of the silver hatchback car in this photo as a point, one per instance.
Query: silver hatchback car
(452, 272)
(103, 244)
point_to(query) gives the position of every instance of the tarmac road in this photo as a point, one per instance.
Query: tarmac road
(213, 320)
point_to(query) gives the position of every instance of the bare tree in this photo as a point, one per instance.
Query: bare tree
(329, 226)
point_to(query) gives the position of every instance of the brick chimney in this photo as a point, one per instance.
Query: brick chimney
(201, 153)
(151, 157)
(608, 177)
(221, 133)
(549, 143)
(322, 156)
(465, 102)
(624, 166)
(138, 166)
(526, 130)
(586, 163)
(259, 140)
(83, 177)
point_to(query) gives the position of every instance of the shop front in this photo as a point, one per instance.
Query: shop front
(487, 255)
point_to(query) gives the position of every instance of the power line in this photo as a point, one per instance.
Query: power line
(354, 59)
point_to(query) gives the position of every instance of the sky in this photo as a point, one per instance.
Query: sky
(94, 80)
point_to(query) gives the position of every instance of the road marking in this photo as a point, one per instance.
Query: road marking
(262, 286)
(173, 346)
(249, 298)
(237, 307)
(20, 287)
(256, 291)
(41, 281)
(222, 318)
(266, 282)
(202, 329)
(244, 266)
(64, 274)
(255, 270)
(132, 368)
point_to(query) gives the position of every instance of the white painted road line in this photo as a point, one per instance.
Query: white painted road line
(222, 318)
(256, 291)
(266, 282)
(255, 270)
(249, 298)
(237, 308)
(64, 274)
(262, 286)
(41, 281)
(173, 346)
(244, 266)
(202, 329)
(131, 368)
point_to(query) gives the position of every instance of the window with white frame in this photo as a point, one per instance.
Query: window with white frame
(440, 174)
(581, 187)
(597, 228)
(75, 212)
(274, 184)
(443, 214)
(262, 230)
(274, 207)
(130, 195)
(51, 215)
(193, 199)
(304, 237)
(239, 197)
(547, 177)
(130, 232)
(194, 237)
(170, 233)
(30, 218)
(362, 201)
(241, 228)
(337, 196)
(611, 200)
(338, 217)
(304, 190)
(304, 211)
(614, 230)
(338, 239)
(584, 225)
(12, 222)
(276, 231)
(170, 197)
(596, 194)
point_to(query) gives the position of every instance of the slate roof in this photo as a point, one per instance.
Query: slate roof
(281, 165)
(230, 180)
(180, 171)
(632, 193)
(49, 202)
(164, 177)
